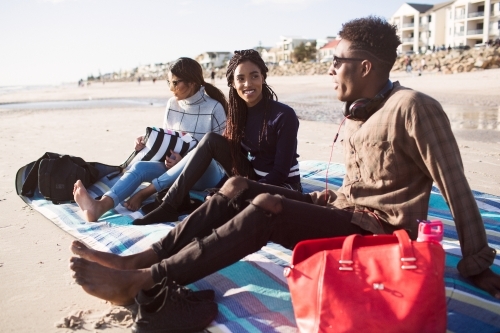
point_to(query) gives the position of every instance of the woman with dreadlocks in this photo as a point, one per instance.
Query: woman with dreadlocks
(197, 108)
(259, 143)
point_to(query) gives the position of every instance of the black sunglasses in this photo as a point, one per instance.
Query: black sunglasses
(174, 82)
(337, 61)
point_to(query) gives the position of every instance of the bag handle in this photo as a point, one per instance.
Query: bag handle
(407, 255)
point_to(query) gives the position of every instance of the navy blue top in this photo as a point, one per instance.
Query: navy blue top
(275, 158)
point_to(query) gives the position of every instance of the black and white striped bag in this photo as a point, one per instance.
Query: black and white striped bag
(159, 143)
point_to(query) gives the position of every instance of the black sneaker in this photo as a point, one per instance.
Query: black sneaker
(146, 296)
(172, 312)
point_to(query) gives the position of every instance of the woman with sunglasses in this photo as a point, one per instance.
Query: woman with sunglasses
(260, 141)
(197, 108)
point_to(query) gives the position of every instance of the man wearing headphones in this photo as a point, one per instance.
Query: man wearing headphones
(397, 143)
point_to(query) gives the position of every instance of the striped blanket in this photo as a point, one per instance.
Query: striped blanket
(252, 294)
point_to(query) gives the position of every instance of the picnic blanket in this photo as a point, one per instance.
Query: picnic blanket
(252, 294)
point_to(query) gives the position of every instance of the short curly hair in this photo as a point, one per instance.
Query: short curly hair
(375, 36)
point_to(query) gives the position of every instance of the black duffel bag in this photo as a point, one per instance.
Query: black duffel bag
(55, 176)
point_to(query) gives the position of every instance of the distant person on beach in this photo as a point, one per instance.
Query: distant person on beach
(196, 108)
(212, 76)
(408, 64)
(397, 143)
(260, 141)
(422, 67)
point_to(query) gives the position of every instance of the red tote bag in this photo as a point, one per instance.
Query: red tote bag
(380, 283)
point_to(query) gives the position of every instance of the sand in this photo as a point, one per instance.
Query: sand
(37, 292)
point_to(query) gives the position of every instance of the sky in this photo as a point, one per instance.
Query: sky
(60, 41)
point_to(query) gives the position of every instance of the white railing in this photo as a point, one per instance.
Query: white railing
(475, 32)
(408, 25)
(408, 40)
(460, 17)
(476, 14)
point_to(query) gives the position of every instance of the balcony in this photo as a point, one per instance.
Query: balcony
(408, 25)
(408, 40)
(459, 33)
(476, 14)
(475, 32)
(459, 16)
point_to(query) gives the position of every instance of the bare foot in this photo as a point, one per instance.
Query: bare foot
(117, 286)
(136, 261)
(91, 208)
(110, 260)
(135, 201)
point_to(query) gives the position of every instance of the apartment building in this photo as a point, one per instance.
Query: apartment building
(287, 44)
(421, 27)
(470, 22)
(454, 23)
(211, 60)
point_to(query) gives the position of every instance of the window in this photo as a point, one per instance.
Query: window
(429, 18)
(429, 33)
(285, 47)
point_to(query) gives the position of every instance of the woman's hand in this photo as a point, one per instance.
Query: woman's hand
(139, 143)
(173, 159)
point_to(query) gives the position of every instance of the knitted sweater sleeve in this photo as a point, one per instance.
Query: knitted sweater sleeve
(218, 119)
(165, 117)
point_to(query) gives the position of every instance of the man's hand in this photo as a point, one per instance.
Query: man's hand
(488, 281)
(139, 143)
(173, 159)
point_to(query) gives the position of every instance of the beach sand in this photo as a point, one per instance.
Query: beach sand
(37, 291)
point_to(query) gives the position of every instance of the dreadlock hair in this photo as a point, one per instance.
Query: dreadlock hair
(238, 110)
(190, 71)
(375, 36)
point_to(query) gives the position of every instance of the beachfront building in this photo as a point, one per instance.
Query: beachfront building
(269, 55)
(287, 44)
(472, 22)
(456, 23)
(326, 52)
(414, 22)
(211, 60)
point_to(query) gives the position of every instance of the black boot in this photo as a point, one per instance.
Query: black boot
(166, 214)
(172, 311)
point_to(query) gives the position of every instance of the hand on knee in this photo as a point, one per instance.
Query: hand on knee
(234, 186)
(268, 202)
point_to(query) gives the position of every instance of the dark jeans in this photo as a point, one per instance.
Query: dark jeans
(223, 231)
(211, 146)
